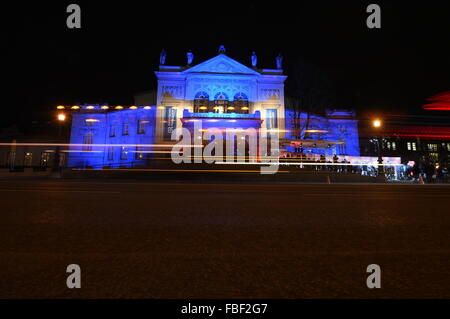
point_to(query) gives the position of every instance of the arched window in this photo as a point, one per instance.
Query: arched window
(201, 102)
(241, 103)
(88, 140)
(220, 102)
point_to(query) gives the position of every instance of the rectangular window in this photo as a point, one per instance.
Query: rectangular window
(170, 118)
(139, 153)
(88, 141)
(448, 147)
(342, 149)
(141, 126)
(90, 122)
(28, 159)
(45, 159)
(271, 119)
(124, 153)
(112, 131)
(11, 158)
(391, 146)
(125, 128)
(411, 146)
(432, 147)
(434, 156)
(110, 153)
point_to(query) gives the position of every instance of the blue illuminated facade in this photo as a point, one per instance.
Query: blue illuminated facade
(221, 93)
(334, 133)
(112, 139)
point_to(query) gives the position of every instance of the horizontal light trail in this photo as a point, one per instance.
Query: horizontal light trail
(58, 191)
(96, 145)
(308, 163)
(174, 170)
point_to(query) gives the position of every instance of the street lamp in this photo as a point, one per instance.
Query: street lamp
(377, 125)
(61, 117)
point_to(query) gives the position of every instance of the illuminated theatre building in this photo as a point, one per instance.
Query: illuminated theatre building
(220, 93)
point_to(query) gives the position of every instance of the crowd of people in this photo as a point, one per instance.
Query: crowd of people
(428, 172)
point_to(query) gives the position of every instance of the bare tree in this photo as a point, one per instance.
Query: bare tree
(311, 92)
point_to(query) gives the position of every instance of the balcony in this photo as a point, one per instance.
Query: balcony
(255, 116)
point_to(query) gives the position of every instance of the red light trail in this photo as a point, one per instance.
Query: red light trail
(441, 102)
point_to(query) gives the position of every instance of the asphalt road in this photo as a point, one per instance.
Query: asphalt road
(187, 240)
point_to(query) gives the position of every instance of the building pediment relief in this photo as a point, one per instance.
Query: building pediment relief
(221, 64)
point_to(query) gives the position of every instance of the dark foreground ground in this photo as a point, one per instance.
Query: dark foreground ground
(191, 240)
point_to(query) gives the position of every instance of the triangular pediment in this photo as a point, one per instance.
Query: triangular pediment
(221, 64)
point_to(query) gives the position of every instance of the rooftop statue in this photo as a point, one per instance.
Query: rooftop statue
(279, 59)
(190, 57)
(162, 57)
(254, 59)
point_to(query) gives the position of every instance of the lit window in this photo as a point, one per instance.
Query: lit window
(45, 159)
(139, 153)
(271, 119)
(220, 102)
(432, 147)
(241, 102)
(141, 126)
(90, 122)
(448, 147)
(88, 141)
(434, 156)
(124, 153)
(111, 153)
(201, 102)
(125, 128)
(391, 146)
(28, 160)
(411, 146)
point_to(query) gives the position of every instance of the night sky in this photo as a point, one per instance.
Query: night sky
(114, 54)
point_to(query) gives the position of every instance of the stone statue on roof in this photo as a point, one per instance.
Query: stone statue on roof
(190, 57)
(279, 60)
(254, 59)
(162, 57)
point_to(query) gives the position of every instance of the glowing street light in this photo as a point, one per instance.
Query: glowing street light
(61, 117)
(376, 123)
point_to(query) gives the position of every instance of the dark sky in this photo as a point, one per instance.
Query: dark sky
(115, 53)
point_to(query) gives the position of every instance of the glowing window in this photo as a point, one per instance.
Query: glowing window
(241, 102)
(139, 154)
(201, 101)
(141, 126)
(125, 128)
(88, 141)
(411, 146)
(124, 153)
(45, 159)
(271, 119)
